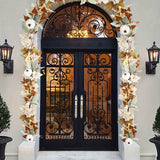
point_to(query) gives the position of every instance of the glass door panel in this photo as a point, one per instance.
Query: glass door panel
(97, 85)
(59, 88)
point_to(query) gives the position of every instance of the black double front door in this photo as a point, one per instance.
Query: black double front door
(79, 94)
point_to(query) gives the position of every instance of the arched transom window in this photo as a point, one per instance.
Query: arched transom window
(80, 21)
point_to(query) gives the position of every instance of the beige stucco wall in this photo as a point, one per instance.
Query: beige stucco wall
(147, 12)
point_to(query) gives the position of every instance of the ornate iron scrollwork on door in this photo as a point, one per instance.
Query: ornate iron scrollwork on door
(59, 86)
(76, 17)
(97, 83)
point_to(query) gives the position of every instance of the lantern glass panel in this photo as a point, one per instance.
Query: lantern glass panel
(153, 56)
(6, 54)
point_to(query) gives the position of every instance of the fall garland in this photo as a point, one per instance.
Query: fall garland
(128, 58)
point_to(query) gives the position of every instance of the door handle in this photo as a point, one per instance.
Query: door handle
(76, 106)
(81, 106)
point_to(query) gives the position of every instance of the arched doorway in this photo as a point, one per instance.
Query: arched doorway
(79, 89)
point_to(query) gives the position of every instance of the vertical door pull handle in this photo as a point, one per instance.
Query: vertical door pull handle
(81, 107)
(76, 106)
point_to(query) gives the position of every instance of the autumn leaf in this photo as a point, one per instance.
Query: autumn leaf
(34, 11)
(120, 4)
(26, 18)
(25, 136)
(31, 14)
(134, 132)
(44, 10)
(41, 2)
(43, 18)
(26, 128)
(48, 4)
(130, 122)
(26, 87)
(131, 96)
(109, 5)
(124, 139)
(126, 132)
(121, 121)
(132, 27)
(22, 117)
(118, 18)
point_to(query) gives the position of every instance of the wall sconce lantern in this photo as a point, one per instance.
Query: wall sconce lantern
(5, 56)
(153, 55)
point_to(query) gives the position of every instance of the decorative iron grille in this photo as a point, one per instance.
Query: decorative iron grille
(59, 86)
(97, 85)
(75, 17)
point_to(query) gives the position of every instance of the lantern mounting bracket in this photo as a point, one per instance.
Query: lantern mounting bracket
(150, 68)
(8, 66)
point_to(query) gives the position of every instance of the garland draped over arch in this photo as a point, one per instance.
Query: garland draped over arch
(129, 60)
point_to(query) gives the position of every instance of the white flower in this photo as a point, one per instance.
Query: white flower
(125, 76)
(123, 44)
(132, 61)
(103, 1)
(124, 113)
(29, 138)
(125, 30)
(134, 78)
(116, 1)
(131, 43)
(34, 57)
(122, 97)
(30, 24)
(27, 73)
(129, 141)
(50, 1)
(133, 89)
(28, 110)
(35, 85)
(126, 44)
(26, 40)
(36, 75)
(24, 92)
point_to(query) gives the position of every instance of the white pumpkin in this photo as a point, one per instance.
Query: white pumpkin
(125, 76)
(30, 24)
(125, 30)
(27, 73)
(129, 141)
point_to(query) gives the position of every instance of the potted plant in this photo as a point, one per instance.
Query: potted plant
(4, 125)
(156, 129)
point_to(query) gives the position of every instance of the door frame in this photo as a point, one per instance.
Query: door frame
(96, 44)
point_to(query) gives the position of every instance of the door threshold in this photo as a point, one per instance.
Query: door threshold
(78, 155)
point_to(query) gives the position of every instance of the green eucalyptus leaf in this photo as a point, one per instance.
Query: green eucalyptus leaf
(34, 65)
(134, 101)
(37, 18)
(83, 2)
(28, 64)
(35, 98)
(126, 68)
(24, 27)
(125, 20)
(92, 1)
(132, 68)
(34, 103)
(114, 23)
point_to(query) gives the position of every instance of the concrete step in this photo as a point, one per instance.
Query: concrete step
(78, 155)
